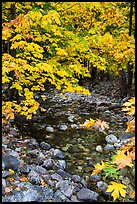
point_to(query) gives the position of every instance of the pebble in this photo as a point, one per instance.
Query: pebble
(111, 139)
(109, 147)
(99, 149)
(49, 129)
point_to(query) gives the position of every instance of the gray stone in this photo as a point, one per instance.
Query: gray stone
(76, 178)
(10, 162)
(45, 145)
(95, 177)
(118, 145)
(74, 126)
(48, 180)
(47, 194)
(5, 174)
(59, 194)
(109, 147)
(25, 169)
(4, 182)
(33, 153)
(63, 174)
(39, 169)
(58, 154)
(34, 177)
(63, 127)
(49, 164)
(66, 188)
(74, 198)
(14, 153)
(87, 195)
(99, 149)
(62, 164)
(56, 177)
(49, 129)
(71, 118)
(99, 184)
(111, 139)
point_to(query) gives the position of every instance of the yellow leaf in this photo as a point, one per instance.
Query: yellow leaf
(11, 171)
(117, 189)
(43, 97)
(132, 194)
(88, 123)
(98, 168)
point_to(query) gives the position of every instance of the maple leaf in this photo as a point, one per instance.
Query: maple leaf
(132, 194)
(117, 189)
(88, 123)
(101, 124)
(98, 168)
(130, 126)
(122, 160)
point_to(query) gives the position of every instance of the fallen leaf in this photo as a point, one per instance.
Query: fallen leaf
(42, 109)
(117, 189)
(43, 97)
(98, 168)
(132, 194)
(101, 124)
(8, 190)
(122, 160)
(23, 179)
(11, 171)
(130, 126)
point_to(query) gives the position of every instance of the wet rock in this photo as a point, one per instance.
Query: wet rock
(14, 132)
(4, 183)
(95, 177)
(33, 153)
(10, 162)
(49, 164)
(87, 195)
(111, 139)
(58, 154)
(76, 178)
(40, 159)
(63, 127)
(5, 174)
(118, 145)
(45, 145)
(104, 191)
(31, 143)
(109, 147)
(25, 169)
(66, 188)
(63, 174)
(17, 196)
(33, 177)
(50, 129)
(83, 182)
(74, 198)
(99, 149)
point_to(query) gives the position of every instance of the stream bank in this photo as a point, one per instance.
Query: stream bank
(52, 150)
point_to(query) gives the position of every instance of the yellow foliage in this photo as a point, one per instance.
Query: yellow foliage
(117, 188)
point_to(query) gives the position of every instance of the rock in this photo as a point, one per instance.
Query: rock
(118, 145)
(63, 127)
(100, 183)
(49, 164)
(14, 132)
(47, 194)
(58, 154)
(87, 195)
(26, 169)
(49, 129)
(62, 164)
(74, 126)
(39, 169)
(48, 180)
(74, 198)
(66, 188)
(4, 183)
(40, 159)
(109, 147)
(104, 191)
(33, 177)
(33, 153)
(10, 162)
(99, 149)
(56, 177)
(63, 174)
(59, 194)
(95, 177)
(111, 139)
(5, 174)
(45, 145)
(71, 118)
(76, 178)
(31, 143)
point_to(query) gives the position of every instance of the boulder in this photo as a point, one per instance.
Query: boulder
(87, 195)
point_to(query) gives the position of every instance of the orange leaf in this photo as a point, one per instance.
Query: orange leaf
(122, 160)
(101, 124)
(131, 126)
(132, 194)
(23, 179)
(43, 97)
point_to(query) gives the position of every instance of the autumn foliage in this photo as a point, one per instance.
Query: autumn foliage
(49, 42)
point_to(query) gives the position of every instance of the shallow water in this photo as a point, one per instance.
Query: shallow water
(79, 144)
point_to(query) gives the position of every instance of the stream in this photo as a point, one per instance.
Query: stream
(58, 122)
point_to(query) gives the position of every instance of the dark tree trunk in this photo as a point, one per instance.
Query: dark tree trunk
(123, 83)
